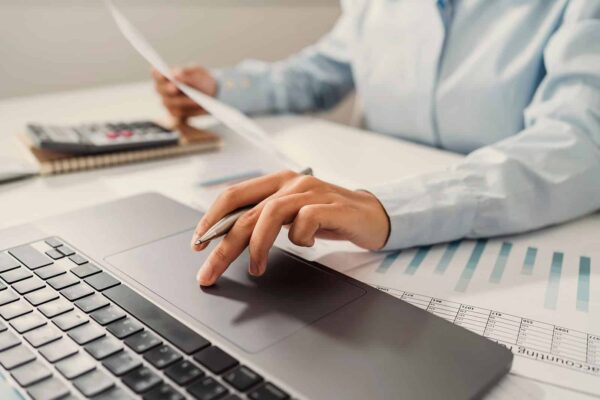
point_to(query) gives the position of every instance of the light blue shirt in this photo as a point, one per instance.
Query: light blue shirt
(513, 83)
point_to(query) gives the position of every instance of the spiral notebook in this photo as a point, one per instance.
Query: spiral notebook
(192, 140)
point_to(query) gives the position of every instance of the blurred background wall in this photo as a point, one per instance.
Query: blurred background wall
(54, 45)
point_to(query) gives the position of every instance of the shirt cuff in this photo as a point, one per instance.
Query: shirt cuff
(248, 92)
(427, 209)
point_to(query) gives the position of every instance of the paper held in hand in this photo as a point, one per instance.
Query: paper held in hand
(230, 117)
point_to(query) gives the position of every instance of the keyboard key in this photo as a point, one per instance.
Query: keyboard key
(65, 250)
(232, 397)
(48, 389)
(16, 356)
(77, 259)
(215, 359)
(7, 262)
(42, 335)
(207, 389)
(55, 307)
(57, 350)
(8, 340)
(30, 257)
(7, 296)
(31, 373)
(53, 242)
(28, 322)
(50, 271)
(183, 372)
(83, 271)
(125, 327)
(70, 320)
(93, 383)
(107, 315)
(28, 285)
(121, 363)
(165, 325)
(3, 326)
(163, 392)
(15, 309)
(242, 378)
(103, 347)
(162, 356)
(54, 254)
(114, 393)
(2, 286)
(77, 292)
(92, 303)
(268, 391)
(141, 380)
(62, 281)
(86, 333)
(142, 341)
(101, 281)
(15, 275)
(41, 296)
(75, 365)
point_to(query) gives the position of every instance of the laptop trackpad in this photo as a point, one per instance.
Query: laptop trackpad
(253, 313)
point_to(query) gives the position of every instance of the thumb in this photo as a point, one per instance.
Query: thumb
(196, 77)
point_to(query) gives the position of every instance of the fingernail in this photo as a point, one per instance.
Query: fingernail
(253, 269)
(205, 276)
(262, 267)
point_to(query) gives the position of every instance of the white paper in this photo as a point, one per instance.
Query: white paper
(554, 338)
(231, 117)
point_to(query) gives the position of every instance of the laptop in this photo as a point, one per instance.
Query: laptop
(102, 303)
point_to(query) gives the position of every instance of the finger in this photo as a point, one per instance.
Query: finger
(319, 220)
(167, 89)
(179, 102)
(276, 213)
(157, 76)
(230, 248)
(188, 75)
(252, 191)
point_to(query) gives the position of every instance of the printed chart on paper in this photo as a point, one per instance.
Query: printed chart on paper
(536, 300)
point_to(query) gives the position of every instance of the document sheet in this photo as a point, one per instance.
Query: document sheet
(229, 116)
(536, 294)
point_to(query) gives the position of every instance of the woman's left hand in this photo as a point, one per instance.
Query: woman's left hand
(312, 208)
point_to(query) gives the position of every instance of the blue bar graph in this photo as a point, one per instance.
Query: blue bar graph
(467, 274)
(447, 257)
(498, 271)
(529, 261)
(417, 260)
(387, 262)
(583, 284)
(554, 281)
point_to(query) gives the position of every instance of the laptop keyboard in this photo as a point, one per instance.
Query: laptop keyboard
(68, 329)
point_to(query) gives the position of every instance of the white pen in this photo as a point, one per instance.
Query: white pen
(226, 223)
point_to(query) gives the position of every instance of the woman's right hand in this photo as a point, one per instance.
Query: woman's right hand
(179, 105)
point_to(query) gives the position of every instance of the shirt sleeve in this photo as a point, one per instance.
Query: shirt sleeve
(546, 174)
(315, 79)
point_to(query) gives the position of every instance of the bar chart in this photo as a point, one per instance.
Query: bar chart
(502, 254)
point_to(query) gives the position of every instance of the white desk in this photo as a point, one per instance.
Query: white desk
(336, 153)
(353, 160)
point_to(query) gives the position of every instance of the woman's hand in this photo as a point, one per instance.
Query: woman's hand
(179, 105)
(312, 208)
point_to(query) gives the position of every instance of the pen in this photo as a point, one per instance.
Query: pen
(226, 223)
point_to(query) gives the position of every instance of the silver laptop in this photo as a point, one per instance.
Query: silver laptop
(102, 303)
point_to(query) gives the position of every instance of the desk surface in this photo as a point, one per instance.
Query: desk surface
(337, 153)
(353, 161)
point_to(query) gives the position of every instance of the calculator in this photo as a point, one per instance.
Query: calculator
(101, 137)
